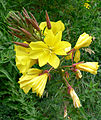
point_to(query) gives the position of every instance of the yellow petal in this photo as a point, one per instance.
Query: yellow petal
(43, 59)
(77, 56)
(62, 48)
(34, 71)
(42, 25)
(39, 84)
(26, 89)
(49, 38)
(37, 45)
(35, 54)
(57, 26)
(54, 60)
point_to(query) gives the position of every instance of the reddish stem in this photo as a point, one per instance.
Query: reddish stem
(66, 82)
(50, 69)
(77, 64)
(67, 66)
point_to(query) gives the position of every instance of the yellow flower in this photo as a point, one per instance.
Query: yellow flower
(88, 67)
(78, 74)
(86, 5)
(75, 98)
(33, 79)
(83, 41)
(23, 61)
(77, 56)
(46, 51)
(55, 27)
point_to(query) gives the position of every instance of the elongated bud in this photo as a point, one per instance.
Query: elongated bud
(48, 21)
(34, 25)
(9, 19)
(17, 20)
(14, 29)
(21, 16)
(28, 34)
(21, 44)
(25, 11)
(19, 36)
(27, 20)
(33, 18)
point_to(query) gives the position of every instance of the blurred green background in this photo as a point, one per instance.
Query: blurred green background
(15, 104)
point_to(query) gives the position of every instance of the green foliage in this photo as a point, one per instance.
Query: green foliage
(15, 104)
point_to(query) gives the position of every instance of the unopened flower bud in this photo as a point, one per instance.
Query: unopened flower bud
(28, 34)
(35, 25)
(22, 44)
(48, 21)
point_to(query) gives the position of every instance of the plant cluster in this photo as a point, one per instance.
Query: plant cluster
(43, 48)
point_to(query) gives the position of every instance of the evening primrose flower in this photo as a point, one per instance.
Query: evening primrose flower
(23, 61)
(46, 51)
(88, 67)
(55, 27)
(83, 41)
(34, 79)
(86, 5)
(75, 98)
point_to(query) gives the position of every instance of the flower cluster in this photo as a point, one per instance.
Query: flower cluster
(43, 45)
(86, 4)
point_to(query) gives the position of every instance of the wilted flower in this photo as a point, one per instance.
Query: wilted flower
(34, 79)
(55, 27)
(46, 51)
(83, 41)
(23, 61)
(88, 67)
(75, 98)
(78, 74)
(65, 111)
